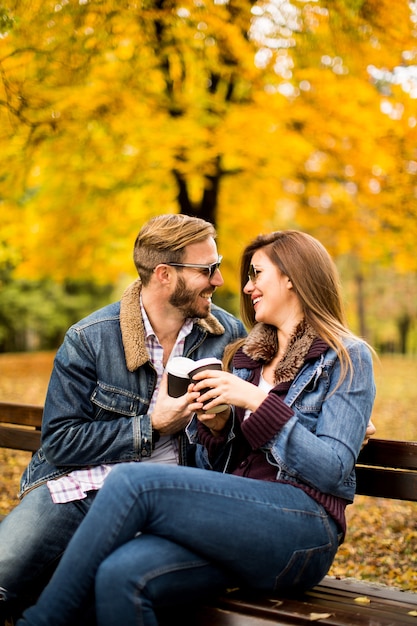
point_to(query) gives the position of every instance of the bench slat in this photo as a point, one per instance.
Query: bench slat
(22, 426)
(19, 439)
(390, 453)
(335, 598)
(386, 483)
(355, 588)
(21, 414)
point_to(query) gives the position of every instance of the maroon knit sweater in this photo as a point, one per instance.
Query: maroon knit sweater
(248, 459)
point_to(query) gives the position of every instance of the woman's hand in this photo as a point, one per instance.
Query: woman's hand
(226, 388)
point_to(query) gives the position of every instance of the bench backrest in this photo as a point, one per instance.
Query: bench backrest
(20, 426)
(388, 469)
(385, 468)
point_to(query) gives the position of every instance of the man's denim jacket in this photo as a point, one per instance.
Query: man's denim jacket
(321, 428)
(101, 386)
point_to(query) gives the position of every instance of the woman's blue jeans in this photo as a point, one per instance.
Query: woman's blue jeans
(159, 535)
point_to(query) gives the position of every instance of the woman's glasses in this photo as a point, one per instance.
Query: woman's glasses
(253, 273)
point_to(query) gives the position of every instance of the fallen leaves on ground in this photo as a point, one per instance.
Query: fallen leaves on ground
(381, 543)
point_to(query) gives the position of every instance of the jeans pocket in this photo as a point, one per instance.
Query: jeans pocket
(305, 568)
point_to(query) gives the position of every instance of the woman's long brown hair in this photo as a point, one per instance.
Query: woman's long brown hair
(316, 282)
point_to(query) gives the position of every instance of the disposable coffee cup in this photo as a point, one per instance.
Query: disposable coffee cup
(210, 363)
(178, 377)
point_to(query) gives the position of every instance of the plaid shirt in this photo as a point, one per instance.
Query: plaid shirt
(74, 486)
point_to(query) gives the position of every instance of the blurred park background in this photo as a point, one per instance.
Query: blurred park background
(255, 115)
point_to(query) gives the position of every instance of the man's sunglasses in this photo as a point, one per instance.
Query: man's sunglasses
(210, 269)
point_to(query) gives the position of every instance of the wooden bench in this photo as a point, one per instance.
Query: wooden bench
(20, 426)
(385, 469)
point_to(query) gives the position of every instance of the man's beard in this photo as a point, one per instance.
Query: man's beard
(186, 301)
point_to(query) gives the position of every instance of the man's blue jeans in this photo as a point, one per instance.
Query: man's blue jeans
(32, 539)
(158, 535)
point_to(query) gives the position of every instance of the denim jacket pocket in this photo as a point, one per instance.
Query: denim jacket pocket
(311, 399)
(110, 401)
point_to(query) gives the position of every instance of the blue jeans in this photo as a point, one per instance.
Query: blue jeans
(32, 539)
(160, 535)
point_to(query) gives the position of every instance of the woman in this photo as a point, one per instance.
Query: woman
(273, 514)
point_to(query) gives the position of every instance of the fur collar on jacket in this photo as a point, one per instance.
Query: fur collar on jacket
(262, 345)
(131, 326)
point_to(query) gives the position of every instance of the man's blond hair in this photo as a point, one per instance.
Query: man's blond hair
(163, 240)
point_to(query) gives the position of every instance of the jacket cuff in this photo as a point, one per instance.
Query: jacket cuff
(268, 420)
(212, 443)
(143, 436)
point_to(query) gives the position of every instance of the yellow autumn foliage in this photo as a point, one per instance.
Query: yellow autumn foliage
(105, 107)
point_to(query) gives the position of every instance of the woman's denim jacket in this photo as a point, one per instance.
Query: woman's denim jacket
(101, 386)
(320, 434)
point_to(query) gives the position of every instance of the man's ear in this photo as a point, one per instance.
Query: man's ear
(164, 273)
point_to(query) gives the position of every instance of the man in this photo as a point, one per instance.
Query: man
(107, 398)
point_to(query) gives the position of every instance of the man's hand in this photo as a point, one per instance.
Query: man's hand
(370, 430)
(214, 421)
(170, 415)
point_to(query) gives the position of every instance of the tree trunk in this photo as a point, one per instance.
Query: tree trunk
(403, 325)
(206, 209)
(361, 305)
